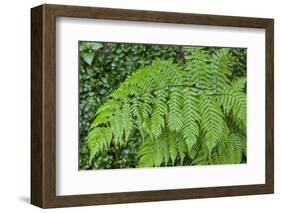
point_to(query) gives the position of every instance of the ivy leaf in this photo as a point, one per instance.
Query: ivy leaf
(88, 58)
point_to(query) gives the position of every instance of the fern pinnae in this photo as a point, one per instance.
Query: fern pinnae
(116, 124)
(138, 117)
(181, 146)
(146, 153)
(239, 83)
(198, 67)
(221, 69)
(191, 117)
(159, 112)
(234, 103)
(212, 121)
(98, 139)
(175, 103)
(172, 144)
(231, 150)
(102, 118)
(127, 120)
(165, 147)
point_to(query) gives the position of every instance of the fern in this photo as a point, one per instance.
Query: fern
(234, 103)
(175, 119)
(198, 67)
(212, 121)
(159, 112)
(191, 117)
(127, 120)
(221, 68)
(98, 140)
(194, 113)
(231, 150)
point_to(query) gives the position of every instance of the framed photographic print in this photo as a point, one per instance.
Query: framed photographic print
(135, 106)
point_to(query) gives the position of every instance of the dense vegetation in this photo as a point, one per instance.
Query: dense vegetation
(161, 114)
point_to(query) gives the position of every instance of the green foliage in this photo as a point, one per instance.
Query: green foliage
(187, 112)
(111, 64)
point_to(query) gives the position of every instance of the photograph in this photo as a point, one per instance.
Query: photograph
(160, 105)
(141, 105)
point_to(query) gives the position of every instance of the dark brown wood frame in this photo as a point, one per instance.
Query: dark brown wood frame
(43, 105)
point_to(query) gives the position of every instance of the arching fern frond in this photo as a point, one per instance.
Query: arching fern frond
(194, 114)
(147, 153)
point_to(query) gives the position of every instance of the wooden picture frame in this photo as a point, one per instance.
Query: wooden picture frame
(43, 105)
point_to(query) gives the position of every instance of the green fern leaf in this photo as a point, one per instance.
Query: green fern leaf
(164, 147)
(116, 124)
(159, 113)
(239, 83)
(175, 119)
(220, 66)
(198, 67)
(191, 117)
(181, 147)
(173, 150)
(127, 120)
(178, 112)
(234, 103)
(151, 153)
(146, 153)
(101, 118)
(231, 150)
(212, 121)
(98, 139)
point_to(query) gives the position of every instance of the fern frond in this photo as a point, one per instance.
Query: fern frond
(198, 67)
(220, 66)
(239, 83)
(146, 153)
(102, 118)
(180, 113)
(120, 93)
(191, 117)
(152, 153)
(98, 139)
(159, 112)
(137, 114)
(146, 106)
(127, 120)
(172, 144)
(202, 158)
(164, 147)
(104, 112)
(181, 146)
(234, 103)
(175, 118)
(109, 106)
(231, 150)
(212, 121)
(116, 124)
